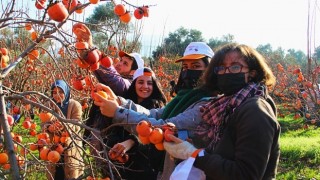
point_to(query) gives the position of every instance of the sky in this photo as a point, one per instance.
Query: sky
(281, 23)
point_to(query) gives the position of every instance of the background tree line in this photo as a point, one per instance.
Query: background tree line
(174, 44)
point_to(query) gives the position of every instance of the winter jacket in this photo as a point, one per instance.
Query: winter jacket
(111, 78)
(249, 147)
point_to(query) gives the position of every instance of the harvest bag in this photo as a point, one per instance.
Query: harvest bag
(186, 171)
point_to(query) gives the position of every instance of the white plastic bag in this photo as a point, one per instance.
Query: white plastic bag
(186, 171)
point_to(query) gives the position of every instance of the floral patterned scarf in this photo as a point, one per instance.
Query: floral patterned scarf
(218, 110)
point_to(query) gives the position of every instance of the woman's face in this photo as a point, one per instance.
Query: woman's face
(123, 67)
(196, 64)
(58, 94)
(235, 61)
(144, 87)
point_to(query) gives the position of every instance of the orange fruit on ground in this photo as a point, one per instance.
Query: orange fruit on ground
(159, 146)
(3, 158)
(156, 136)
(45, 116)
(125, 18)
(44, 153)
(53, 156)
(119, 9)
(144, 128)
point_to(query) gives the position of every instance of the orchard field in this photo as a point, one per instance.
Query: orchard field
(36, 51)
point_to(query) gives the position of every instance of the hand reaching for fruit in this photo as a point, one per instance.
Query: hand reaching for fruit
(108, 103)
(118, 151)
(83, 33)
(102, 87)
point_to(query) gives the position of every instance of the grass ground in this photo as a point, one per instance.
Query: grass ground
(300, 150)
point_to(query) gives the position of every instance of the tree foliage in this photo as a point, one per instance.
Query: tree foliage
(108, 30)
(176, 42)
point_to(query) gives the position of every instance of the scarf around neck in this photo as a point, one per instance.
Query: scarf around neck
(217, 111)
(182, 101)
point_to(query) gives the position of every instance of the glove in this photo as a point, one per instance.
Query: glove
(181, 150)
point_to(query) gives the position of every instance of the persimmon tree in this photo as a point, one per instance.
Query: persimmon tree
(36, 51)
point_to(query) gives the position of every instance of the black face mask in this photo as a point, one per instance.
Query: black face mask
(188, 79)
(230, 83)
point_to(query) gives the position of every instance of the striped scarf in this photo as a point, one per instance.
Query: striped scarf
(218, 110)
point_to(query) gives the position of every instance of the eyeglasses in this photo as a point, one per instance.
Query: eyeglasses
(232, 69)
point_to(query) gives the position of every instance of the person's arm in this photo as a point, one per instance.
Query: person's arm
(254, 146)
(111, 78)
(189, 119)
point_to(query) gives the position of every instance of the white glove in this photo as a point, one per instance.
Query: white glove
(181, 150)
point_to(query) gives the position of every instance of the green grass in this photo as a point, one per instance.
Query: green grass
(300, 150)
